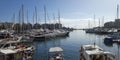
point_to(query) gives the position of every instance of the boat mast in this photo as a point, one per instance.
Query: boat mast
(117, 52)
(28, 27)
(53, 22)
(33, 20)
(27, 17)
(59, 19)
(103, 21)
(48, 18)
(117, 11)
(45, 16)
(88, 24)
(94, 20)
(19, 22)
(99, 22)
(18, 29)
(0, 25)
(22, 17)
(13, 20)
(36, 13)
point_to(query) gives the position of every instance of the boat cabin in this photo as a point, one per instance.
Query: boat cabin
(93, 52)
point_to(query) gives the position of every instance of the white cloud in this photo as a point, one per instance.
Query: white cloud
(83, 23)
(80, 23)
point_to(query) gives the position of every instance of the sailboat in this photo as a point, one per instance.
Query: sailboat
(44, 33)
(90, 30)
(60, 31)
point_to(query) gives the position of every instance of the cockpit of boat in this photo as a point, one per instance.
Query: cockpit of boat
(101, 57)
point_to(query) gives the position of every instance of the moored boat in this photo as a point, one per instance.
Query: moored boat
(55, 53)
(112, 38)
(93, 52)
(51, 34)
(16, 50)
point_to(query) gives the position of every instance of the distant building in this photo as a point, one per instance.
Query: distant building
(117, 23)
(52, 26)
(114, 24)
(109, 25)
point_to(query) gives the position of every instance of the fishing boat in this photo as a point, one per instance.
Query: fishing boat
(55, 53)
(94, 52)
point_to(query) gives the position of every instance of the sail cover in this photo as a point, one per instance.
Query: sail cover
(55, 49)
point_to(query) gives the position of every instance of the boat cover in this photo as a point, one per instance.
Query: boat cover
(55, 49)
(8, 51)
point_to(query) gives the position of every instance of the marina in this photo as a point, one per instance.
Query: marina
(59, 30)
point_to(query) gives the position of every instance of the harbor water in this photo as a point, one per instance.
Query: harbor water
(71, 45)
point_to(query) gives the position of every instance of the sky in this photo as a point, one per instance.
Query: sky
(73, 13)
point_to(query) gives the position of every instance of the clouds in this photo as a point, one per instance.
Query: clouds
(83, 23)
(76, 23)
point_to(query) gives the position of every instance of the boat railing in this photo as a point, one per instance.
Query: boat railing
(3, 43)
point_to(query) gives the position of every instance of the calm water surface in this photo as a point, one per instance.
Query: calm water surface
(71, 45)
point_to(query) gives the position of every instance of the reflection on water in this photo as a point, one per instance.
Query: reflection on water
(71, 45)
(41, 52)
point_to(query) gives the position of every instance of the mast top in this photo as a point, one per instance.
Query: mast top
(117, 11)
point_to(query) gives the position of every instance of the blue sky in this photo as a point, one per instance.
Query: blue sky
(74, 13)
